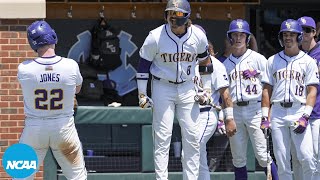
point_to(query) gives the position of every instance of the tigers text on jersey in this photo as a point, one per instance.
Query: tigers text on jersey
(242, 89)
(48, 86)
(289, 76)
(174, 58)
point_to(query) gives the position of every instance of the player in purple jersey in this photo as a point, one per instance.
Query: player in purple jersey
(310, 46)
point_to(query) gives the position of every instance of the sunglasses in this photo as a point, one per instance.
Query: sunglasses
(307, 29)
(176, 13)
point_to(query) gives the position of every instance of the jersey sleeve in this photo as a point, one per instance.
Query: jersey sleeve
(149, 48)
(202, 48)
(79, 78)
(263, 65)
(267, 74)
(219, 75)
(312, 73)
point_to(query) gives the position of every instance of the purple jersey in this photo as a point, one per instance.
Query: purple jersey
(222, 58)
(315, 54)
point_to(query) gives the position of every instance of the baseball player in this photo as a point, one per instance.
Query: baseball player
(49, 84)
(310, 46)
(245, 68)
(170, 53)
(290, 84)
(208, 117)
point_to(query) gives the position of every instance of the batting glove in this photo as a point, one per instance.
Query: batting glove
(247, 74)
(204, 98)
(265, 123)
(301, 124)
(265, 126)
(221, 127)
(145, 101)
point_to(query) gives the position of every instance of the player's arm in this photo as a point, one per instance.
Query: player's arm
(312, 81)
(147, 53)
(311, 98)
(231, 128)
(79, 78)
(265, 106)
(78, 88)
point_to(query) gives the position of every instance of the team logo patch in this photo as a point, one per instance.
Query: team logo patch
(303, 21)
(20, 161)
(175, 4)
(288, 25)
(240, 25)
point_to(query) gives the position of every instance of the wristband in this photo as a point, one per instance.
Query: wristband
(142, 82)
(221, 115)
(265, 111)
(228, 112)
(308, 109)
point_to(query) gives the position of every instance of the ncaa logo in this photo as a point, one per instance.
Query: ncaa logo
(20, 161)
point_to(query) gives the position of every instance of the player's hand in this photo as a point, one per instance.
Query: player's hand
(145, 101)
(204, 98)
(265, 126)
(247, 74)
(221, 128)
(301, 124)
(231, 127)
(75, 106)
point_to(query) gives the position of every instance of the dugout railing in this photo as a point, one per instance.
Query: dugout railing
(126, 154)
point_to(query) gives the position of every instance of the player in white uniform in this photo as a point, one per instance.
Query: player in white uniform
(170, 53)
(290, 84)
(49, 84)
(208, 118)
(245, 69)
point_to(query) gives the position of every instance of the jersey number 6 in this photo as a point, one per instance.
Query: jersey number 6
(54, 97)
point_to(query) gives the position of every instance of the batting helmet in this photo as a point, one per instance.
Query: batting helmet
(239, 25)
(40, 33)
(290, 25)
(179, 6)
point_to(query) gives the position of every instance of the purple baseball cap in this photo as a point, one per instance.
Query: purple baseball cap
(307, 21)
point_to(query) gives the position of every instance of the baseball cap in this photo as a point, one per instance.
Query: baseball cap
(307, 21)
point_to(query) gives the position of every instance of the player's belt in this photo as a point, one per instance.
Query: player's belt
(205, 109)
(157, 78)
(244, 103)
(288, 104)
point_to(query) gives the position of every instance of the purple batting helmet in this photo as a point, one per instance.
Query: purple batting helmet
(307, 21)
(239, 25)
(290, 25)
(179, 6)
(39, 34)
